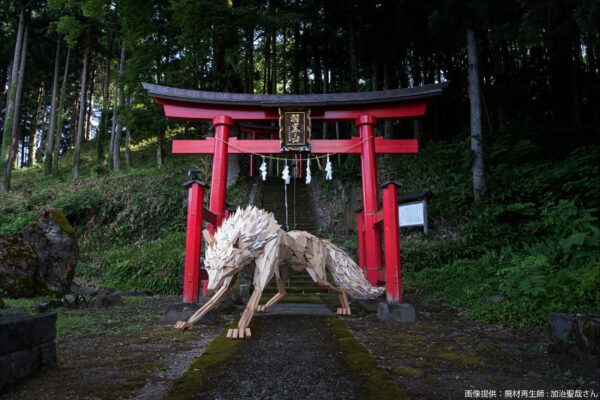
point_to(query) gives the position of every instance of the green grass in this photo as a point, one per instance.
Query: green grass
(113, 321)
(370, 381)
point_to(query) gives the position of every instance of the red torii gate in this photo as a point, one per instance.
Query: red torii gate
(223, 109)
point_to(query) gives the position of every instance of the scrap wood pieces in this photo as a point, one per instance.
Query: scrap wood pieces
(252, 236)
(236, 333)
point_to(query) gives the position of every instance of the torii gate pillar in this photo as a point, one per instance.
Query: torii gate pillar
(218, 187)
(373, 261)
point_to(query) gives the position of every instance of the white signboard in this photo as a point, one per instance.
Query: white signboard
(411, 214)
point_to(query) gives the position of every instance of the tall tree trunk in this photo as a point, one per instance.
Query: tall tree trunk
(23, 150)
(113, 129)
(374, 75)
(267, 64)
(3, 92)
(577, 117)
(159, 147)
(60, 116)
(33, 140)
(53, 105)
(41, 148)
(128, 142)
(387, 85)
(116, 153)
(103, 132)
(14, 135)
(90, 105)
(249, 61)
(274, 63)
(296, 64)
(479, 187)
(352, 51)
(82, 108)
(11, 95)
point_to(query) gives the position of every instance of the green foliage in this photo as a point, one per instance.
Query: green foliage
(71, 28)
(531, 249)
(78, 205)
(152, 266)
(519, 283)
(14, 216)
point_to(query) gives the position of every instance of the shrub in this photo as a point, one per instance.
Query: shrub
(152, 266)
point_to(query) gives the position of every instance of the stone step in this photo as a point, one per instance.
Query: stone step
(300, 215)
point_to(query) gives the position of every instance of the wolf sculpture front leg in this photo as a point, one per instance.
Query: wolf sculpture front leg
(266, 265)
(209, 305)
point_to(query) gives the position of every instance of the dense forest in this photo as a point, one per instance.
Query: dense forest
(71, 70)
(75, 120)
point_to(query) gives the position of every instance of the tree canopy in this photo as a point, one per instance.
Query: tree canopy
(538, 62)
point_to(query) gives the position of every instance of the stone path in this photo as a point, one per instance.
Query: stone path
(265, 368)
(318, 310)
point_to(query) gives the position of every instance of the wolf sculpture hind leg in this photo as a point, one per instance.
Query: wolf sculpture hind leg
(276, 298)
(345, 308)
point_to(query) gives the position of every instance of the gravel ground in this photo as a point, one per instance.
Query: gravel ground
(137, 363)
(293, 357)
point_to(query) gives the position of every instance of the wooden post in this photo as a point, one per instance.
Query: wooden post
(193, 241)
(391, 231)
(372, 234)
(218, 187)
(361, 241)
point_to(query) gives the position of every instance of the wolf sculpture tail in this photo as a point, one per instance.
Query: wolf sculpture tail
(348, 275)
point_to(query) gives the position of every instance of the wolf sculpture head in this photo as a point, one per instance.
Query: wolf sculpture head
(237, 242)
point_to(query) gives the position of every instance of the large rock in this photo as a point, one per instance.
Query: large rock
(40, 259)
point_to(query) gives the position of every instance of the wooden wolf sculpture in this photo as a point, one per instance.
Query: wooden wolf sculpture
(250, 240)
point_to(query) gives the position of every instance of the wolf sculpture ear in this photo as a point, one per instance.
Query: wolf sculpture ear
(210, 239)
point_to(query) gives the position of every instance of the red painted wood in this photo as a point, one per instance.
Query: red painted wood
(361, 242)
(373, 253)
(218, 187)
(206, 112)
(269, 132)
(193, 244)
(346, 146)
(391, 233)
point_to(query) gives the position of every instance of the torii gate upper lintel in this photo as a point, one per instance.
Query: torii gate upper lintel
(365, 108)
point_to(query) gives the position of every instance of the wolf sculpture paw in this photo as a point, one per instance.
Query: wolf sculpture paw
(344, 311)
(239, 333)
(182, 325)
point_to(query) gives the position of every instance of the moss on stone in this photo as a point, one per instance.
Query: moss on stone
(409, 372)
(218, 351)
(62, 221)
(370, 382)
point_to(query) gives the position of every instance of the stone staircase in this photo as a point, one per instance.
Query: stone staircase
(301, 217)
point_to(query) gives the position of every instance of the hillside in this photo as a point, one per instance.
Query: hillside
(130, 224)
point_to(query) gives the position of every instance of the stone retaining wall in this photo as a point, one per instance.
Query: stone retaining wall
(27, 343)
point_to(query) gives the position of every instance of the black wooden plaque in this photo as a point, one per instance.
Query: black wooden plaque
(294, 129)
